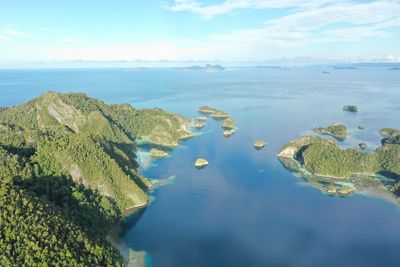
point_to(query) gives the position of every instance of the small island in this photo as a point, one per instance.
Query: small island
(228, 133)
(389, 132)
(391, 136)
(219, 115)
(207, 110)
(229, 124)
(200, 163)
(206, 68)
(363, 146)
(337, 130)
(199, 125)
(158, 153)
(350, 108)
(202, 119)
(213, 112)
(259, 144)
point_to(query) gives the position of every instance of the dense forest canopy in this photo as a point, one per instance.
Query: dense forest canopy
(68, 169)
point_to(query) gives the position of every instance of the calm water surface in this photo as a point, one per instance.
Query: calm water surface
(245, 209)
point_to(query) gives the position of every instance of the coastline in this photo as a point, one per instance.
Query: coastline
(131, 257)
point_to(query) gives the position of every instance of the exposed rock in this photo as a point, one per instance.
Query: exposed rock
(158, 153)
(220, 115)
(330, 189)
(229, 133)
(199, 125)
(350, 108)
(201, 163)
(201, 119)
(259, 144)
(363, 145)
(345, 190)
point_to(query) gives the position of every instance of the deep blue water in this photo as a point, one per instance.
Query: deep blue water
(245, 209)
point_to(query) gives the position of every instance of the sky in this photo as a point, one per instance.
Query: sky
(198, 30)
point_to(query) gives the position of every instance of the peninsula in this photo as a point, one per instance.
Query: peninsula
(69, 170)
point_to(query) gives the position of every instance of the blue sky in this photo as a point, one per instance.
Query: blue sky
(225, 30)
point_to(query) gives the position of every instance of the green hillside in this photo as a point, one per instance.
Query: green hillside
(69, 161)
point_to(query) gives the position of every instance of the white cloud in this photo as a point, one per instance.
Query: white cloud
(12, 31)
(148, 51)
(334, 23)
(209, 11)
(305, 30)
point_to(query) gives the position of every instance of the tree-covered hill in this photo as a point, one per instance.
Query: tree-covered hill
(324, 157)
(68, 169)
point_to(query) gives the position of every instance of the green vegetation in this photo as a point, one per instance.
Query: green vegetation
(207, 110)
(213, 112)
(220, 115)
(158, 153)
(229, 124)
(324, 158)
(67, 171)
(201, 162)
(350, 108)
(337, 130)
(389, 132)
(259, 144)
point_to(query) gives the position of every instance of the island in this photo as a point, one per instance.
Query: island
(201, 119)
(363, 145)
(324, 164)
(219, 115)
(199, 125)
(68, 172)
(213, 112)
(337, 130)
(259, 144)
(345, 67)
(389, 132)
(158, 153)
(228, 133)
(206, 68)
(200, 163)
(391, 136)
(228, 124)
(350, 108)
(207, 110)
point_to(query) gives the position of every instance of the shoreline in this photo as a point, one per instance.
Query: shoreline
(131, 257)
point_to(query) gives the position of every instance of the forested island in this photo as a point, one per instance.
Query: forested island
(67, 172)
(337, 130)
(325, 163)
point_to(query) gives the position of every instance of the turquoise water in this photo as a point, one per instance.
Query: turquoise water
(245, 208)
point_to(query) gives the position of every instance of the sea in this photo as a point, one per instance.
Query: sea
(245, 208)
